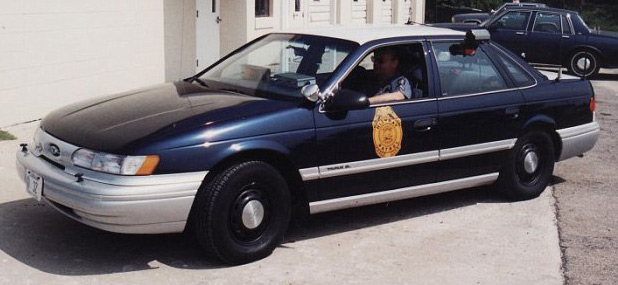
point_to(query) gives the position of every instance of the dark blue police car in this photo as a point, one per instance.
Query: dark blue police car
(283, 125)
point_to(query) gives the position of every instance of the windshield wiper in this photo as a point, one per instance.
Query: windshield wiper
(196, 79)
(233, 90)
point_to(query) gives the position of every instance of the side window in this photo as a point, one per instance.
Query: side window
(465, 74)
(547, 23)
(520, 76)
(566, 28)
(516, 21)
(391, 69)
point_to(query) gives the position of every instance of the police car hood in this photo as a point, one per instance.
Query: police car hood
(117, 122)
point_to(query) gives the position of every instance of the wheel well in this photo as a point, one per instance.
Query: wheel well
(567, 59)
(279, 161)
(550, 130)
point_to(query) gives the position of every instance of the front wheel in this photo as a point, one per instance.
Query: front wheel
(584, 63)
(528, 168)
(242, 214)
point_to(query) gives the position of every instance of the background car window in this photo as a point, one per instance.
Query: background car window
(547, 23)
(520, 76)
(517, 21)
(469, 74)
(566, 28)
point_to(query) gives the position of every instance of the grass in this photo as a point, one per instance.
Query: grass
(6, 136)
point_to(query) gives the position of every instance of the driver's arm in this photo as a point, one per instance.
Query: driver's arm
(387, 97)
(402, 91)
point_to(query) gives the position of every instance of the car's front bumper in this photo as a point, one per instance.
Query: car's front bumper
(144, 205)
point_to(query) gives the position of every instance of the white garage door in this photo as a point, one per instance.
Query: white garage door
(387, 11)
(359, 11)
(320, 12)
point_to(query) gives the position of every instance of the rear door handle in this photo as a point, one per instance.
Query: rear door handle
(520, 33)
(424, 125)
(512, 113)
(566, 37)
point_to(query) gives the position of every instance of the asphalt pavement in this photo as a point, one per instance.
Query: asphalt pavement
(587, 198)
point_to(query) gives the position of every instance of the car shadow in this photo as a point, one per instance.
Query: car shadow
(40, 237)
(605, 77)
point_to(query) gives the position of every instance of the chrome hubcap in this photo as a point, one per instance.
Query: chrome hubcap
(253, 214)
(531, 162)
(584, 63)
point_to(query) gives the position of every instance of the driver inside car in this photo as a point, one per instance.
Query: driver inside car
(393, 85)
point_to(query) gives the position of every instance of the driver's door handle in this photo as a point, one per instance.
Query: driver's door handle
(424, 125)
(512, 113)
(520, 33)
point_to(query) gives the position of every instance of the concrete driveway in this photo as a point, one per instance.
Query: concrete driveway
(465, 237)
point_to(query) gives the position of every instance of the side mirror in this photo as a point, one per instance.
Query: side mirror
(346, 99)
(493, 27)
(311, 92)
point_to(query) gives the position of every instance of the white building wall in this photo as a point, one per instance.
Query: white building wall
(53, 53)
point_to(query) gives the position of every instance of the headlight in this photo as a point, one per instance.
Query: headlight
(115, 164)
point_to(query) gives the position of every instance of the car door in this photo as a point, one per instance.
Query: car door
(544, 42)
(386, 146)
(476, 106)
(511, 29)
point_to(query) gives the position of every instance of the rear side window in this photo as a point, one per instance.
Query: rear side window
(547, 23)
(520, 77)
(466, 74)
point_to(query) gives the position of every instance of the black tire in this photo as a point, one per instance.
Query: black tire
(519, 178)
(219, 225)
(577, 63)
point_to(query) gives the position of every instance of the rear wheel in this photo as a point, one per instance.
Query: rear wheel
(242, 214)
(528, 169)
(584, 63)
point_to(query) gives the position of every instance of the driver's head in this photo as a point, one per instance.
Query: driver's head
(385, 63)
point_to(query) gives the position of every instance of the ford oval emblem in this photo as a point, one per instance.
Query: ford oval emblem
(54, 150)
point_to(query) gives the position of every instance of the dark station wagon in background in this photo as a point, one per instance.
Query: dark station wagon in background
(477, 18)
(283, 126)
(551, 36)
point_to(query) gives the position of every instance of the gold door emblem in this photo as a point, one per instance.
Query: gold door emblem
(387, 132)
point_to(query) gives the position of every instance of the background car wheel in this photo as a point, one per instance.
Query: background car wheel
(584, 63)
(242, 214)
(529, 167)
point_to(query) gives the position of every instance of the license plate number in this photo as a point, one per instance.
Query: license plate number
(34, 185)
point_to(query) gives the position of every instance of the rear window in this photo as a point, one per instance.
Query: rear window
(460, 75)
(520, 77)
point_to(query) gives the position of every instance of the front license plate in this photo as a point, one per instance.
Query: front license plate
(34, 184)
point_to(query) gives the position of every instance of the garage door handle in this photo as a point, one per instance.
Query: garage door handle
(425, 124)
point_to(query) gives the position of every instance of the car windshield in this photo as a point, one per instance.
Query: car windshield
(279, 65)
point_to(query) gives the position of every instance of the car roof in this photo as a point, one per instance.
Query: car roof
(544, 9)
(366, 33)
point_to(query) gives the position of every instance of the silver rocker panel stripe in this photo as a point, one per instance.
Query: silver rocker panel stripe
(400, 194)
(463, 151)
(355, 167)
(377, 164)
